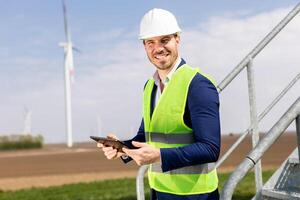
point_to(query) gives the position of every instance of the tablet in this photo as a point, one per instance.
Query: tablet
(116, 144)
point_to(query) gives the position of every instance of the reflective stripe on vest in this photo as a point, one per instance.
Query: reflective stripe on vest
(178, 138)
(194, 169)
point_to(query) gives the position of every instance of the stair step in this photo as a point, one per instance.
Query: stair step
(294, 160)
(279, 194)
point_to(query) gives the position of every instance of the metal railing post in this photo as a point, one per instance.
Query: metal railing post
(254, 122)
(298, 134)
(264, 144)
(140, 182)
(260, 117)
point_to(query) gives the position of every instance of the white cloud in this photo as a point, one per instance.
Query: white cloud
(220, 43)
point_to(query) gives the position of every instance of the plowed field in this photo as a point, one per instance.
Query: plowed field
(57, 165)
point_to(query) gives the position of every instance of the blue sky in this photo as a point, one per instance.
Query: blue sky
(112, 68)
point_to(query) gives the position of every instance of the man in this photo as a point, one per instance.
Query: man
(180, 132)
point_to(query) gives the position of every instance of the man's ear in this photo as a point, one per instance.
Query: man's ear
(144, 45)
(177, 38)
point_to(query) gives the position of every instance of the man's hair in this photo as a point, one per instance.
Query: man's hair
(174, 34)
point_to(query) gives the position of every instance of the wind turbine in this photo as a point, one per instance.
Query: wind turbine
(69, 76)
(27, 121)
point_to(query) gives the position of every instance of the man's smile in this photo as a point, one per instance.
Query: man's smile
(161, 56)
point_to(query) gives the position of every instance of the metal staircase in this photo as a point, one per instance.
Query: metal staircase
(280, 184)
(285, 182)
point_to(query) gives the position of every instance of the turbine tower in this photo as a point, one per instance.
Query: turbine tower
(27, 121)
(69, 75)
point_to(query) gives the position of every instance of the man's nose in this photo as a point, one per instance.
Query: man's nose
(158, 47)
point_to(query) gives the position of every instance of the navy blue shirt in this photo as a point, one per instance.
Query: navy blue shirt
(201, 115)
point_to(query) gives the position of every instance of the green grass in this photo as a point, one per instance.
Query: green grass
(121, 189)
(12, 142)
(246, 188)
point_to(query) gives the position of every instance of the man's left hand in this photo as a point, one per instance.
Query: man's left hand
(145, 154)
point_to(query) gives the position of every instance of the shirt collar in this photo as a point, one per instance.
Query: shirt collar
(170, 74)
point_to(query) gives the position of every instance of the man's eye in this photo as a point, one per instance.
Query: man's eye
(165, 41)
(149, 43)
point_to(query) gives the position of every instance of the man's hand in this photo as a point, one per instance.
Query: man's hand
(110, 152)
(145, 154)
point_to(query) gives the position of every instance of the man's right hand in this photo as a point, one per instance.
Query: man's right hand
(110, 152)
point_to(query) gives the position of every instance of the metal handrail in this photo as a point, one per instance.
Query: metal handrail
(247, 62)
(260, 117)
(254, 122)
(266, 40)
(275, 132)
(298, 135)
(140, 182)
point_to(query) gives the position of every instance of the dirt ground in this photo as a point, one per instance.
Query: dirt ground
(57, 165)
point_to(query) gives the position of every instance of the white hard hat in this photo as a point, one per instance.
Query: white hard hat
(158, 22)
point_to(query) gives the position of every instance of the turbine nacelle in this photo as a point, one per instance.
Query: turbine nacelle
(67, 45)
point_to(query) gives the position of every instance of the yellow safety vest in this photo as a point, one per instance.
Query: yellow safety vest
(166, 129)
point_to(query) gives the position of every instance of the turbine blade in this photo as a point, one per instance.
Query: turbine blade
(76, 49)
(67, 33)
